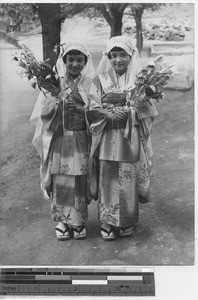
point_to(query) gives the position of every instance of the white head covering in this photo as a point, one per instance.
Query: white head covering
(87, 73)
(106, 72)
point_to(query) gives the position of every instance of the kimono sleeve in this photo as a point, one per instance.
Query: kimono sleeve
(50, 113)
(97, 115)
(147, 110)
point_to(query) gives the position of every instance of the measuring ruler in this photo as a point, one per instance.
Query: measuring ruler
(73, 281)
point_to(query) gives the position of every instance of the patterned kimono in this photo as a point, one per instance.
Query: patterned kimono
(64, 168)
(62, 143)
(124, 178)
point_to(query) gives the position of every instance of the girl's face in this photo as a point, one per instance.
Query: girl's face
(119, 61)
(75, 64)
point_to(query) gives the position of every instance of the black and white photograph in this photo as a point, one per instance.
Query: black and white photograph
(97, 134)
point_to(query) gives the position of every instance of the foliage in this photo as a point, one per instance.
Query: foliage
(27, 13)
(70, 9)
(107, 10)
(150, 82)
(40, 74)
(112, 12)
(137, 8)
(20, 13)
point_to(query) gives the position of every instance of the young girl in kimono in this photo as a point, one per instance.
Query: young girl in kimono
(61, 139)
(122, 140)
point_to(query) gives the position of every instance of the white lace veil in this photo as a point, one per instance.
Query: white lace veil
(106, 72)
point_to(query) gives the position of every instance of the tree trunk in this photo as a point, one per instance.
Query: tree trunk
(113, 16)
(138, 20)
(49, 15)
(139, 37)
(116, 25)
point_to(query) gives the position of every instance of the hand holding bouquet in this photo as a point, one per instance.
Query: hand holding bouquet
(150, 83)
(39, 74)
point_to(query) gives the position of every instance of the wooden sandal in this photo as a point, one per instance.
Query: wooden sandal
(63, 234)
(126, 231)
(79, 233)
(108, 235)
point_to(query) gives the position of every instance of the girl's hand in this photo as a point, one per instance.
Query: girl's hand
(70, 105)
(120, 114)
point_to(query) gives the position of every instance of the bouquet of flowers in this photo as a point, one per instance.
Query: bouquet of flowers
(38, 73)
(150, 83)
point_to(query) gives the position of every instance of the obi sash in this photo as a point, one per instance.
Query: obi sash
(110, 102)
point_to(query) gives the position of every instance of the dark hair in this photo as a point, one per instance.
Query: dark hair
(115, 49)
(73, 52)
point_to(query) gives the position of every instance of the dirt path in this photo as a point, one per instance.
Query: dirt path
(165, 232)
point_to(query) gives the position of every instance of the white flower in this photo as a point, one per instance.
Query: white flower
(33, 82)
(21, 72)
(160, 57)
(150, 64)
(174, 70)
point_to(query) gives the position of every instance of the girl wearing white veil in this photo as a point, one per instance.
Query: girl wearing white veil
(61, 140)
(122, 140)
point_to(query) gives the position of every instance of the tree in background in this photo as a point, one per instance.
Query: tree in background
(48, 14)
(12, 17)
(51, 18)
(113, 14)
(51, 15)
(137, 11)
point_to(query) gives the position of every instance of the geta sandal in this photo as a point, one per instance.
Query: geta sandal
(63, 234)
(126, 231)
(108, 235)
(79, 232)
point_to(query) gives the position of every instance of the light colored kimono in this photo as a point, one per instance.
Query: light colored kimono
(67, 163)
(124, 179)
(62, 141)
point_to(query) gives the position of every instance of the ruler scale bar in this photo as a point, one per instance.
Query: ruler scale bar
(124, 282)
(74, 271)
(118, 277)
(78, 282)
(46, 281)
(77, 273)
(53, 277)
(11, 277)
(79, 288)
(87, 289)
(84, 282)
